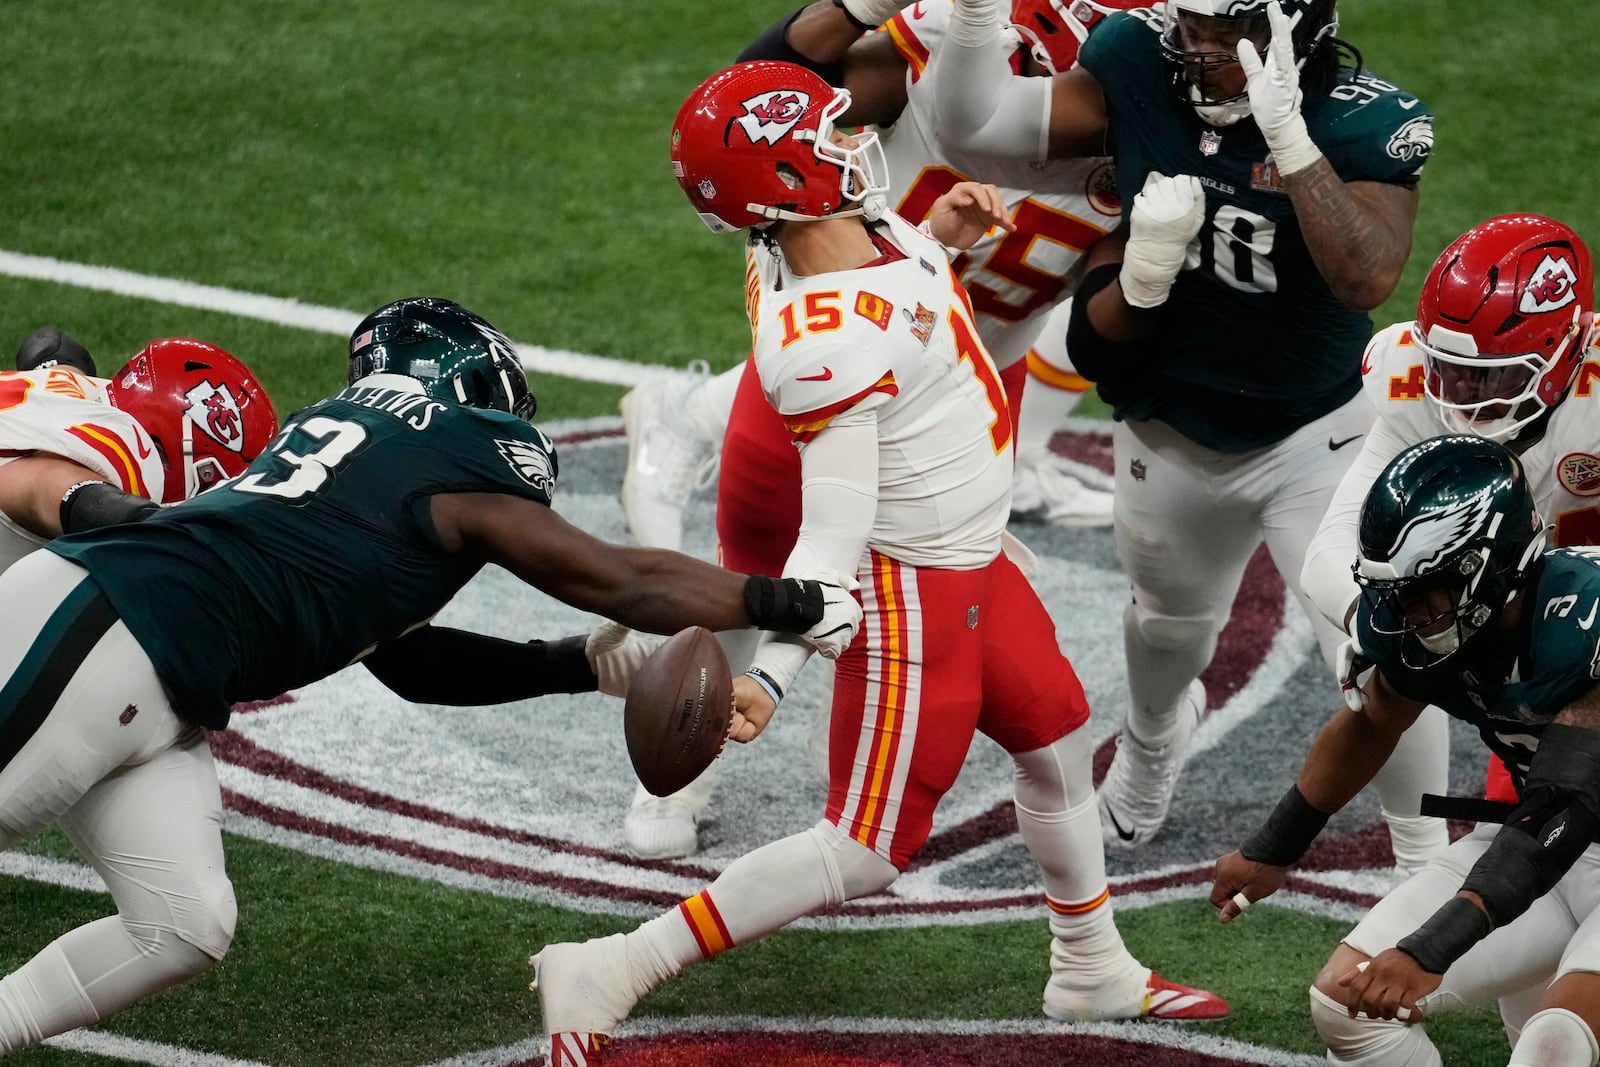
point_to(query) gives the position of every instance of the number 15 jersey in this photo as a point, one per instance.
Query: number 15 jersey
(900, 326)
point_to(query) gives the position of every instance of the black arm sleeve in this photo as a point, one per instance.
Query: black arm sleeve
(774, 44)
(89, 505)
(1093, 356)
(437, 665)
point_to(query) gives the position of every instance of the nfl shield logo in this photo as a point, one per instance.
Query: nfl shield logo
(972, 617)
(1210, 141)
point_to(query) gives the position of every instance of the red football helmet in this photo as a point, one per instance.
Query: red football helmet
(1054, 29)
(755, 143)
(208, 415)
(1503, 322)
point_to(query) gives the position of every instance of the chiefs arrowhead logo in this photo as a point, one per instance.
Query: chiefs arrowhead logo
(214, 409)
(770, 115)
(1553, 285)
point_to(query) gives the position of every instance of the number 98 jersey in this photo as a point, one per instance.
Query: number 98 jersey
(320, 550)
(1252, 343)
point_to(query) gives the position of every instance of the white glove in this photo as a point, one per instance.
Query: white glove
(616, 653)
(1166, 216)
(1353, 667)
(841, 613)
(1274, 90)
(873, 13)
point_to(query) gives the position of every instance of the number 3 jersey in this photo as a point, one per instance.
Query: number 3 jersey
(57, 411)
(321, 550)
(1512, 690)
(900, 328)
(1060, 207)
(1252, 344)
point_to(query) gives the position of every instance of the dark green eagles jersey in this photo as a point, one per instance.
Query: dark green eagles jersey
(1252, 343)
(323, 548)
(1553, 658)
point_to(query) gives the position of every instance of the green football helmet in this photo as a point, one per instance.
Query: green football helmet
(1447, 537)
(456, 355)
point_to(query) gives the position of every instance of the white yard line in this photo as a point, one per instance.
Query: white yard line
(96, 1043)
(282, 312)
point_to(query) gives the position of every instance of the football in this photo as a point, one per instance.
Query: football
(677, 711)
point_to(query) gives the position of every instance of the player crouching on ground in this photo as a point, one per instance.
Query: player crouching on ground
(1461, 607)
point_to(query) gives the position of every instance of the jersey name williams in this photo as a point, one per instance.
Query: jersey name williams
(416, 411)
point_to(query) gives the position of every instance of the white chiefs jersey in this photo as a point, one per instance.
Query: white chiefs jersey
(1060, 207)
(903, 328)
(1563, 465)
(63, 413)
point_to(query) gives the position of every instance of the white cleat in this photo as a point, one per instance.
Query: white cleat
(586, 990)
(666, 828)
(1043, 491)
(1140, 994)
(670, 455)
(1137, 791)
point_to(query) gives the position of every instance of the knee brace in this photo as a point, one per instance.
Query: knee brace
(207, 922)
(1171, 632)
(1364, 1042)
(1556, 1037)
(860, 871)
(1057, 777)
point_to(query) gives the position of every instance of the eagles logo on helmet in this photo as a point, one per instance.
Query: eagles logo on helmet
(1502, 323)
(1447, 535)
(787, 162)
(205, 411)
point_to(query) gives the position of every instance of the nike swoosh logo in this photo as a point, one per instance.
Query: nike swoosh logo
(1588, 620)
(138, 439)
(1126, 835)
(827, 373)
(1334, 446)
(1407, 105)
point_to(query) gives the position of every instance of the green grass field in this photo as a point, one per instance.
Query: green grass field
(512, 156)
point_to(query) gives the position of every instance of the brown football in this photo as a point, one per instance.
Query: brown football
(677, 711)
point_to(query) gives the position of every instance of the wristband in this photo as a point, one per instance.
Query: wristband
(767, 682)
(1293, 150)
(857, 23)
(91, 504)
(1447, 935)
(1287, 833)
(786, 605)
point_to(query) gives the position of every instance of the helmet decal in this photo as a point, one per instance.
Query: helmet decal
(770, 116)
(1430, 538)
(1552, 286)
(216, 413)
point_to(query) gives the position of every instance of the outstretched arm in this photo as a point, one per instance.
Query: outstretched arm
(984, 108)
(1343, 759)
